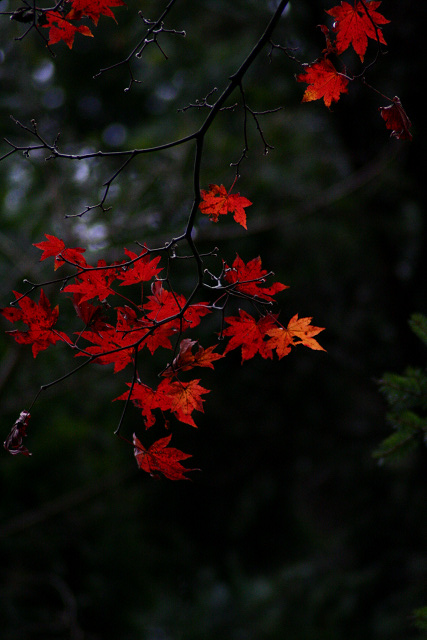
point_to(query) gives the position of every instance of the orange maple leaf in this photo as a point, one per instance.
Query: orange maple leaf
(62, 29)
(354, 25)
(217, 201)
(298, 331)
(324, 81)
(93, 9)
(159, 458)
(396, 119)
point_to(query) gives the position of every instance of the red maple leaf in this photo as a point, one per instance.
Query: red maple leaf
(186, 359)
(93, 9)
(396, 119)
(152, 336)
(163, 304)
(159, 458)
(249, 334)
(40, 319)
(298, 331)
(250, 279)
(354, 25)
(323, 81)
(181, 398)
(110, 346)
(61, 28)
(14, 441)
(95, 282)
(143, 269)
(54, 247)
(87, 312)
(217, 201)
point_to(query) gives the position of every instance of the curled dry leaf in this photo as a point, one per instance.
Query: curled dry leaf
(14, 441)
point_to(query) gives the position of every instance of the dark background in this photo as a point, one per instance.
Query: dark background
(291, 530)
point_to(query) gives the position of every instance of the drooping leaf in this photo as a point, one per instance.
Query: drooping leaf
(61, 28)
(14, 441)
(324, 81)
(40, 319)
(159, 458)
(395, 118)
(354, 25)
(217, 201)
(250, 279)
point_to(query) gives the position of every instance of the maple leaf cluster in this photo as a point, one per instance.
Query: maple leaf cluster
(354, 26)
(118, 334)
(62, 24)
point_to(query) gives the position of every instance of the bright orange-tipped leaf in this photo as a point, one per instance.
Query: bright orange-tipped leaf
(217, 201)
(323, 81)
(298, 331)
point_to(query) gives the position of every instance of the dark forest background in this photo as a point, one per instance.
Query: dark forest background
(292, 529)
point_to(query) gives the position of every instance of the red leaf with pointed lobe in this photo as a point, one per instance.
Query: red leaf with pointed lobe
(163, 304)
(94, 282)
(217, 201)
(61, 28)
(181, 398)
(353, 26)
(250, 279)
(93, 9)
(323, 81)
(141, 329)
(40, 319)
(395, 118)
(143, 268)
(249, 334)
(160, 458)
(54, 247)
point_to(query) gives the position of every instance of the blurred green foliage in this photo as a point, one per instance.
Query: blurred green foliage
(291, 530)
